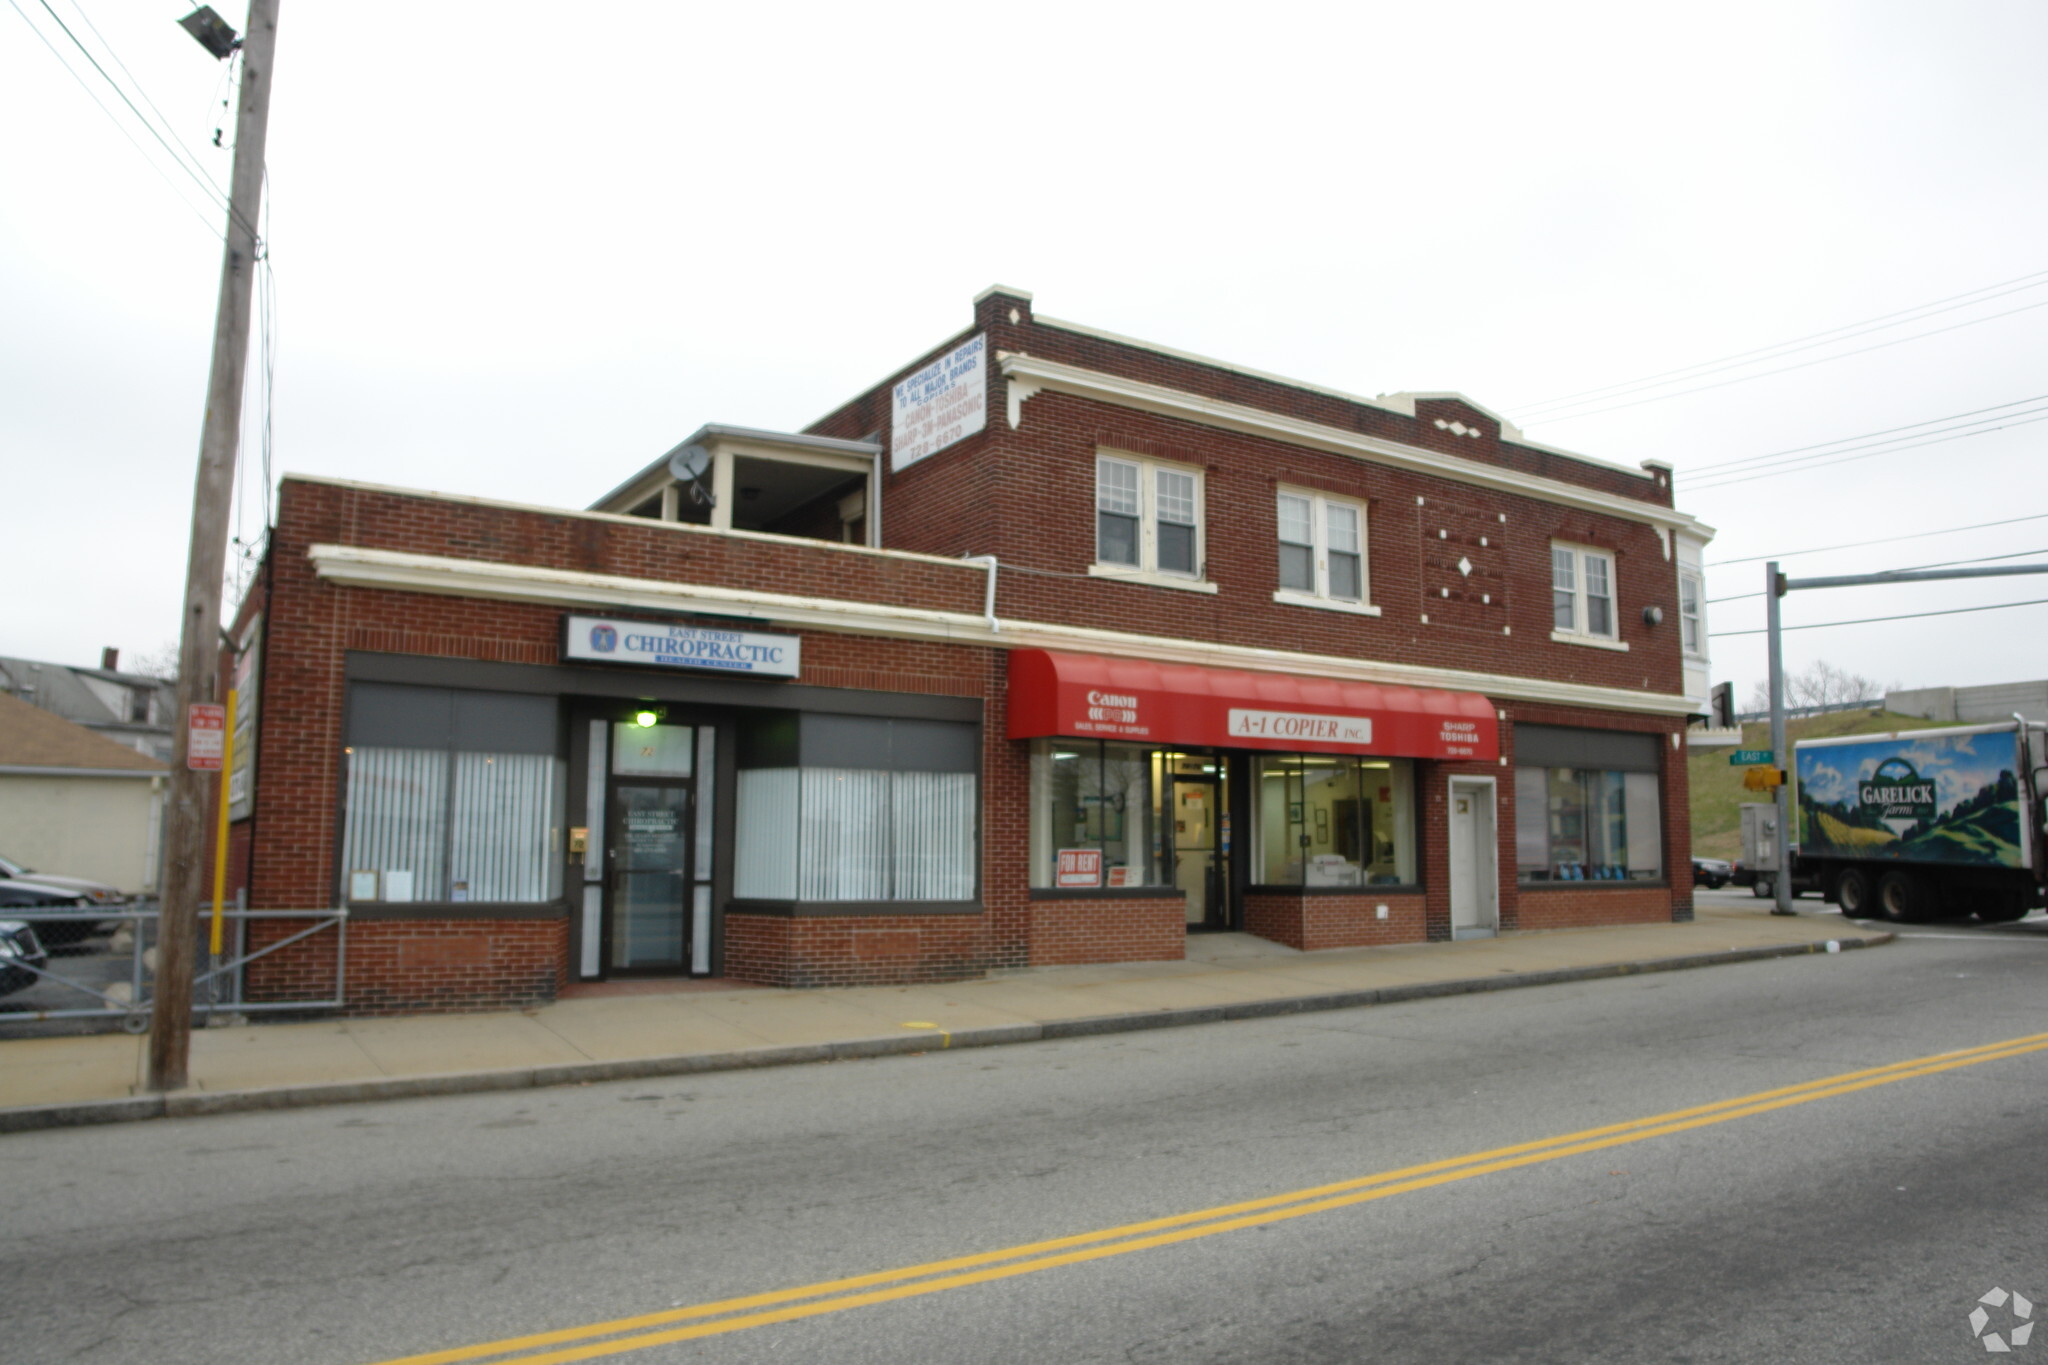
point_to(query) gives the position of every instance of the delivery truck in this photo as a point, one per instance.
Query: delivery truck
(1925, 824)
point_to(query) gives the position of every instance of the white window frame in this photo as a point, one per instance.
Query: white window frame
(1319, 553)
(1692, 623)
(1147, 569)
(1580, 634)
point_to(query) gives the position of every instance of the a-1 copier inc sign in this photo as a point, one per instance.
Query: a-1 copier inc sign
(606, 640)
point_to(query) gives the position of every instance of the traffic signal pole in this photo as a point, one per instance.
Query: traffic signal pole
(170, 1032)
(1775, 587)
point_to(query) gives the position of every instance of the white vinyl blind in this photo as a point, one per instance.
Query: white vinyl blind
(397, 817)
(462, 826)
(764, 812)
(849, 834)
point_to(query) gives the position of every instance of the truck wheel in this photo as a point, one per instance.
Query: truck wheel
(1852, 893)
(1761, 888)
(1904, 896)
(2003, 907)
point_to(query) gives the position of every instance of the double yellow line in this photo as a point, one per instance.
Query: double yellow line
(836, 1296)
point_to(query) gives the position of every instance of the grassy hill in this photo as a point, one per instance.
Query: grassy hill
(1717, 789)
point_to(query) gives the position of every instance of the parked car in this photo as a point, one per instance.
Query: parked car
(1711, 873)
(19, 893)
(98, 893)
(20, 950)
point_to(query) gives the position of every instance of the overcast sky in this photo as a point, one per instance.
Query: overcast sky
(522, 249)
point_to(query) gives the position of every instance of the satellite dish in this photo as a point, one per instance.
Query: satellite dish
(688, 463)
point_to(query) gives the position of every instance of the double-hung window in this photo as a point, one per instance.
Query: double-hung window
(1148, 517)
(1691, 628)
(1322, 550)
(1582, 593)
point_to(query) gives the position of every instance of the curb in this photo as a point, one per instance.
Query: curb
(197, 1103)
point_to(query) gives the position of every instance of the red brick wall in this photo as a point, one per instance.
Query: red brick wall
(864, 950)
(1119, 929)
(1342, 920)
(1585, 907)
(417, 966)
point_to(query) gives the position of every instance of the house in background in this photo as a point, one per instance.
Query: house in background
(129, 708)
(76, 803)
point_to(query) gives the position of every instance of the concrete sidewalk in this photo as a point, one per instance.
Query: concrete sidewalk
(49, 1082)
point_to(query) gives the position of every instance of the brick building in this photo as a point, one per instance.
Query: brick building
(1053, 647)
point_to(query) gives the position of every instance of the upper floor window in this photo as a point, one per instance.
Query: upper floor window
(1148, 516)
(1322, 547)
(1690, 630)
(1582, 592)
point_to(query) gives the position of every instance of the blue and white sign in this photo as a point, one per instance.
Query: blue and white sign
(608, 640)
(945, 402)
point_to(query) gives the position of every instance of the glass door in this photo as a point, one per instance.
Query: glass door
(1196, 827)
(657, 916)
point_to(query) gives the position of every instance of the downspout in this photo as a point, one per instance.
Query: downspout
(988, 606)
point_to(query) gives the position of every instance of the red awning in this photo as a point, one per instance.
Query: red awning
(1091, 696)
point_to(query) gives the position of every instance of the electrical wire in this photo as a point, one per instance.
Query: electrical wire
(1812, 338)
(119, 126)
(1715, 469)
(1883, 540)
(1787, 369)
(1872, 620)
(198, 168)
(214, 192)
(1915, 568)
(1894, 450)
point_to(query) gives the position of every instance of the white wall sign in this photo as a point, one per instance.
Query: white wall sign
(945, 402)
(1296, 725)
(607, 640)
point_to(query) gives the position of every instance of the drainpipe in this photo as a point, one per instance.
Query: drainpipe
(988, 606)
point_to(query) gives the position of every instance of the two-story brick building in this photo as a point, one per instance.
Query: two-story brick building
(1053, 647)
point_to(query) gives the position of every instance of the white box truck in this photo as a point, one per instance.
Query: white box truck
(1925, 824)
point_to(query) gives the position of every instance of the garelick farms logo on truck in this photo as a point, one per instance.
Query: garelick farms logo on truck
(1896, 791)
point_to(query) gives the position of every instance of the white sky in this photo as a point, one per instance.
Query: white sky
(520, 250)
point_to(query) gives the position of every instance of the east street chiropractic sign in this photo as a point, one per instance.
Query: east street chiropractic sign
(945, 402)
(608, 640)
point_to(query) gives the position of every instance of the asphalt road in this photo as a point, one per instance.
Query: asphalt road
(1860, 1221)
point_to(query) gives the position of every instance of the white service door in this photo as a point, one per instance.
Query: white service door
(1474, 900)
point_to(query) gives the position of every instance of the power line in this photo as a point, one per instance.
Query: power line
(1872, 620)
(1866, 436)
(1894, 450)
(1911, 568)
(1883, 540)
(1810, 338)
(115, 119)
(1787, 369)
(194, 164)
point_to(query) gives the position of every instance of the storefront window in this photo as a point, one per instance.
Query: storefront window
(851, 808)
(1333, 820)
(1093, 801)
(1587, 824)
(452, 796)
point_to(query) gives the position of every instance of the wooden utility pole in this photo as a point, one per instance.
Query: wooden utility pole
(170, 1036)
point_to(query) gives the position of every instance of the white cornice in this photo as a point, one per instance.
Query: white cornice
(1035, 375)
(353, 566)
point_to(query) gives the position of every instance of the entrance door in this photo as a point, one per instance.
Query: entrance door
(1197, 848)
(1475, 911)
(658, 850)
(650, 882)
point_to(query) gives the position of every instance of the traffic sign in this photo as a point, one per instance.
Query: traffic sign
(1763, 779)
(1743, 758)
(206, 732)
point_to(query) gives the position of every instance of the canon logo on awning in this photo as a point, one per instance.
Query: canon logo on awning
(1112, 706)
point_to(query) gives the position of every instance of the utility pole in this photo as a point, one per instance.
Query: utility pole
(170, 1036)
(1781, 795)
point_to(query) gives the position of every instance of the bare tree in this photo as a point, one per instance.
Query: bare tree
(160, 663)
(1819, 685)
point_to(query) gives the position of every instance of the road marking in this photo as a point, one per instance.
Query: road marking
(834, 1296)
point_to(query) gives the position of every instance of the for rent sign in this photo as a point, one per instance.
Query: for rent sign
(608, 640)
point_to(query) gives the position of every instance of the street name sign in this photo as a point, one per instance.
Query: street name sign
(1743, 758)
